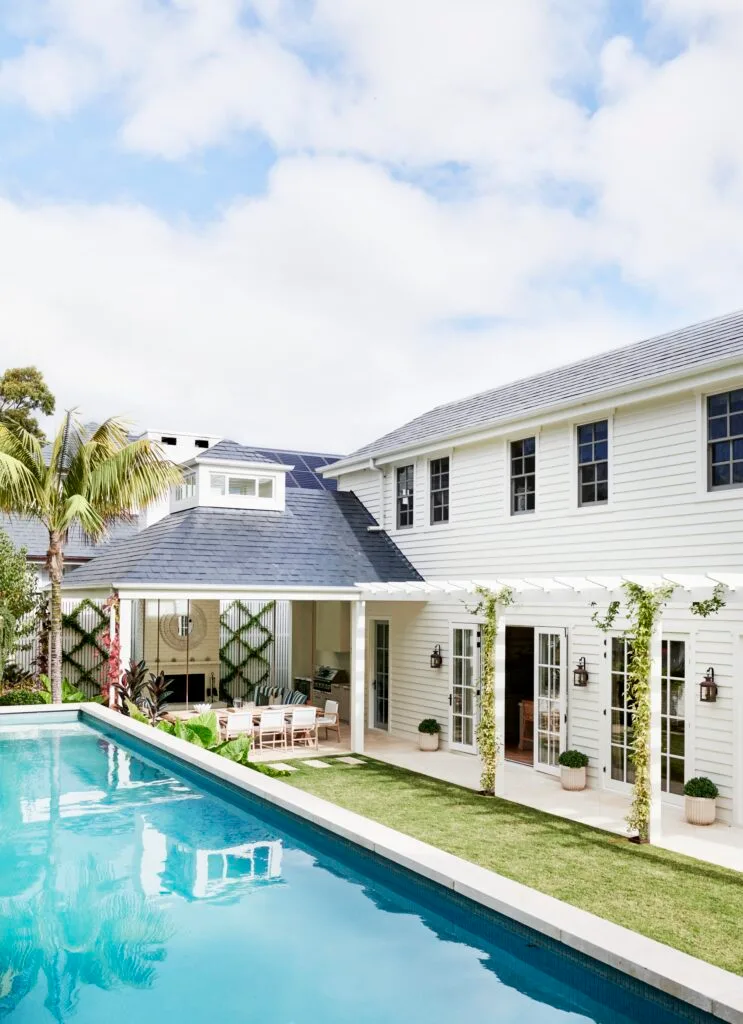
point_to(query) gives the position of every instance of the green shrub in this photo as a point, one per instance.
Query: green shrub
(573, 759)
(701, 786)
(17, 697)
(429, 725)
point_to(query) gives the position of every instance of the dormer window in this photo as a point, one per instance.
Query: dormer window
(241, 486)
(186, 489)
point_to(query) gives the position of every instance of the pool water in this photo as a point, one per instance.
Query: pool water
(134, 889)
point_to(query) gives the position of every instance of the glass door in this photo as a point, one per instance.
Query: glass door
(621, 711)
(381, 674)
(465, 683)
(550, 698)
(673, 717)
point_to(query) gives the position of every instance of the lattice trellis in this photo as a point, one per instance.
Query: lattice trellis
(86, 655)
(243, 657)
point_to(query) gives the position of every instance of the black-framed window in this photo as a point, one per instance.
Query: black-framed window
(405, 496)
(593, 463)
(439, 476)
(523, 475)
(725, 440)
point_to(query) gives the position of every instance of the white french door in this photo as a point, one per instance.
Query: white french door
(550, 698)
(465, 689)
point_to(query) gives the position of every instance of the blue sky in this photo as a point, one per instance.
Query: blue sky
(373, 200)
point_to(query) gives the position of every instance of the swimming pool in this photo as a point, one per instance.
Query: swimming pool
(134, 888)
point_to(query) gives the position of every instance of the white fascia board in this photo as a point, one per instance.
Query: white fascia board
(213, 592)
(549, 415)
(254, 467)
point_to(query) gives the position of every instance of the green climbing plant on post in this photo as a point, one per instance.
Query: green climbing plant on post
(488, 741)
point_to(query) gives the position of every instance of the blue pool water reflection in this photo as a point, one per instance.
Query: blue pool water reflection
(134, 890)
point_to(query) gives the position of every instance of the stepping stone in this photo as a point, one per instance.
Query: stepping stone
(350, 760)
(280, 766)
(312, 763)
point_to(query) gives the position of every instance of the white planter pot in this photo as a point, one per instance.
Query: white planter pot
(428, 740)
(573, 778)
(700, 810)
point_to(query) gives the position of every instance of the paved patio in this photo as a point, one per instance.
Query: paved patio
(719, 843)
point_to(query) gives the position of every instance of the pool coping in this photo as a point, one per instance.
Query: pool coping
(678, 974)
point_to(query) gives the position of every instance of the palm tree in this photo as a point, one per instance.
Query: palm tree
(90, 479)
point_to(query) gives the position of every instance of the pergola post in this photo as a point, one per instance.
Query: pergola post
(358, 675)
(500, 707)
(656, 726)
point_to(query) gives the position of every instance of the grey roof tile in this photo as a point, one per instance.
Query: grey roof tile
(321, 539)
(31, 535)
(646, 361)
(233, 452)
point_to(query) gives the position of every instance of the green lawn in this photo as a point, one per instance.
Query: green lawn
(683, 902)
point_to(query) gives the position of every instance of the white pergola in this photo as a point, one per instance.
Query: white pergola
(570, 589)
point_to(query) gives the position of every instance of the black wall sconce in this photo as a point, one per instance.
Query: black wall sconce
(436, 659)
(708, 688)
(580, 673)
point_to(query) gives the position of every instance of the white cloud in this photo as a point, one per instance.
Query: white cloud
(331, 308)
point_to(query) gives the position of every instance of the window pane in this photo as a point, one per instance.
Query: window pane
(585, 434)
(717, 404)
(736, 425)
(529, 446)
(585, 453)
(245, 487)
(587, 474)
(738, 472)
(600, 451)
(265, 489)
(736, 400)
(601, 430)
(720, 476)
(602, 492)
(721, 451)
(217, 483)
(718, 427)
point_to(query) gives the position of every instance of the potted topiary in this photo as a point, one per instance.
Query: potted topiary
(699, 801)
(573, 764)
(428, 734)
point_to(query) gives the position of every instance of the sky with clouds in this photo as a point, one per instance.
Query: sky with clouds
(303, 222)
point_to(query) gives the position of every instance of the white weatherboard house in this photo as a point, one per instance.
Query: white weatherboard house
(625, 466)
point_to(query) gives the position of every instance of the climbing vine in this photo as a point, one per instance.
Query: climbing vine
(711, 605)
(488, 741)
(88, 650)
(242, 658)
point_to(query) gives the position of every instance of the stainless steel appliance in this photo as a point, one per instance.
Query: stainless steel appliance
(332, 684)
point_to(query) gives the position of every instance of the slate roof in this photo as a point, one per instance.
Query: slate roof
(321, 539)
(30, 534)
(646, 361)
(232, 451)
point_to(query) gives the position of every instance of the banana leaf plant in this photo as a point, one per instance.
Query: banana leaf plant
(202, 731)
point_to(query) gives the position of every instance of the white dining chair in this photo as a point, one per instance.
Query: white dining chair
(303, 726)
(329, 718)
(272, 727)
(239, 723)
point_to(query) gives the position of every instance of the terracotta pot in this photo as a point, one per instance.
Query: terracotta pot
(572, 778)
(700, 810)
(428, 740)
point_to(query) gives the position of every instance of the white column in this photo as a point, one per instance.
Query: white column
(125, 639)
(358, 675)
(656, 668)
(500, 707)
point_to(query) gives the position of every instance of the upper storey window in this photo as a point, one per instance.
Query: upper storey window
(405, 496)
(593, 463)
(523, 475)
(725, 439)
(241, 486)
(439, 478)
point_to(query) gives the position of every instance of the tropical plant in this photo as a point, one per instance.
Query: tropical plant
(202, 731)
(15, 676)
(16, 698)
(8, 631)
(92, 479)
(573, 759)
(155, 701)
(70, 693)
(430, 726)
(132, 687)
(702, 787)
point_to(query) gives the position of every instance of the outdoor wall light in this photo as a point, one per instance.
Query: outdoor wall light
(580, 673)
(436, 659)
(708, 688)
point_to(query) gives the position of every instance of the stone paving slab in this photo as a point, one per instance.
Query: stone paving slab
(313, 763)
(350, 760)
(281, 767)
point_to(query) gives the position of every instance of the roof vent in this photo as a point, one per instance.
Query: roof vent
(168, 440)
(201, 443)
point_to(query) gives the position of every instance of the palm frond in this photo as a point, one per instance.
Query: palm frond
(25, 447)
(19, 488)
(131, 479)
(65, 445)
(77, 509)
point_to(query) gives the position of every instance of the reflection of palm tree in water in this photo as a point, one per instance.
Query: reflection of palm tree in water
(78, 926)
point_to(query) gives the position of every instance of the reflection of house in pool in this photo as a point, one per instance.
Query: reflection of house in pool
(222, 873)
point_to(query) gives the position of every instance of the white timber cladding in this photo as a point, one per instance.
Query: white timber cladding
(660, 519)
